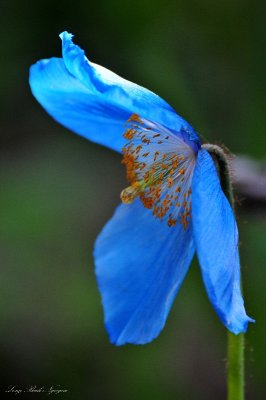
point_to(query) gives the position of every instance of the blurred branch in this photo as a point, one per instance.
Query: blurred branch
(249, 179)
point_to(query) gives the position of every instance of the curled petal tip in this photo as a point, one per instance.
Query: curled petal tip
(242, 328)
(66, 35)
(93, 101)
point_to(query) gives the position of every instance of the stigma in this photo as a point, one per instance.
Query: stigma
(129, 194)
(159, 165)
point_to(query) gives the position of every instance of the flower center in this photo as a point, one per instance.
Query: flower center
(159, 165)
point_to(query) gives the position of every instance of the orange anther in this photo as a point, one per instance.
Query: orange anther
(170, 182)
(135, 118)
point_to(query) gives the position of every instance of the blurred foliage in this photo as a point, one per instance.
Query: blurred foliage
(57, 191)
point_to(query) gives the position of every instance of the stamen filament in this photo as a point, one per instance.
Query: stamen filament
(160, 172)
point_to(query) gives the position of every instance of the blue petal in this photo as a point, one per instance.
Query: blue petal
(216, 238)
(93, 101)
(140, 265)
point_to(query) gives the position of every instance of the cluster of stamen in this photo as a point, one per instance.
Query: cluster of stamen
(159, 167)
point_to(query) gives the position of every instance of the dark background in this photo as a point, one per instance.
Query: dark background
(207, 59)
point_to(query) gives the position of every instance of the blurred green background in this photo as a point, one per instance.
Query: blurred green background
(207, 59)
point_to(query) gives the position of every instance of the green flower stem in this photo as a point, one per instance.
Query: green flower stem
(235, 343)
(235, 366)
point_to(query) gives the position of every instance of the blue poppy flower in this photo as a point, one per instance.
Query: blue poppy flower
(174, 204)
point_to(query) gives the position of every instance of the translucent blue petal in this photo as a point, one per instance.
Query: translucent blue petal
(140, 265)
(71, 103)
(93, 101)
(216, 238)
